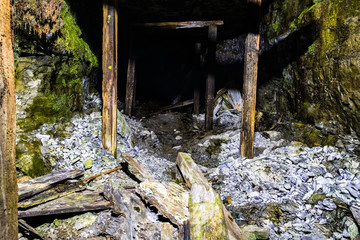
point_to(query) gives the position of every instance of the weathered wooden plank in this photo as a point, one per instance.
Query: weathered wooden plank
(109, 67)
(73, 203)
(8, 186)
(209, 219)
(210, 80)
(179, 25)
(40, 184)
(197, 80)
(250, 84)
(166, 231)
(130, 83)
(58, 191)
(169, 198)
(138, 168)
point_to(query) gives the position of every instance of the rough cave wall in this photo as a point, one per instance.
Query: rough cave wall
(320, 86)
(53, 64)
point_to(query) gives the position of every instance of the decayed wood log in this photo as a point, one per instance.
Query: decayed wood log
(139, 169)
(208, 217)
(40, 184)
(58, 191)
(8, 186)
(169, 198)
(109, 83)
(73, 203)
(250, 83)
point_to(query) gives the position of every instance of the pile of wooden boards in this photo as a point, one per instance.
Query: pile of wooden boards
(195, 208)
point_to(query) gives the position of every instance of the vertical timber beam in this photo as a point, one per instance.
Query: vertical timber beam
(250, 81)
(196, 80)
(109, 67)
(130, 82)
(210, 81)
(8, 185)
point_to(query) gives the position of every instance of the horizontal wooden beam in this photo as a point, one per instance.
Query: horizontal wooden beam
(180, 25)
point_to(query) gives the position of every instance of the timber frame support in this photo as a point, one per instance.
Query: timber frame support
(130, 82)
(250, 81)
(210, 80)
(109, 68)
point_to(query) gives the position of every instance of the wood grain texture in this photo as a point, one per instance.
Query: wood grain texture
(250, 85)
(109, 67)
(40, 184)
(8, 184)
(73, 203)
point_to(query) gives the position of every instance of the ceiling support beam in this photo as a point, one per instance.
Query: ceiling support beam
(109, 67)
(250, 82)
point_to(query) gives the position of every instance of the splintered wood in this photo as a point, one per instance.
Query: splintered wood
(76, 202)
(40, 184)
(208, 217)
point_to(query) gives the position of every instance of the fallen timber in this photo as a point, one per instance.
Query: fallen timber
(198, 213)
(40, 184)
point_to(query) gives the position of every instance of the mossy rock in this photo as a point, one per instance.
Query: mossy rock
(29, 161)
(274, 212)
(315, 198)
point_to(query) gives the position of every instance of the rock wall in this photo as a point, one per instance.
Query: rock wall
(53, 64)
(316, 44)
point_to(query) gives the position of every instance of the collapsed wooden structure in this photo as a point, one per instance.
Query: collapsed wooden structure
(193, 207)
(110, 68)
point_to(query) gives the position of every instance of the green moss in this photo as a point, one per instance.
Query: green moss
(275, 26)
(215, 146)
(29, 161)
(46, 109)
(312, 49)
(274, 212)
(72, 41)
(315, 198)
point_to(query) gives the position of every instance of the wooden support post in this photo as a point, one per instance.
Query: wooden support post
(8, 185)
(250, 82)
(130, 83)
(196, 80)
(109, 67)
(210, 81)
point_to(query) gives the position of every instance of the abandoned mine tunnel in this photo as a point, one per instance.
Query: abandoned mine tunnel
(133, 115)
